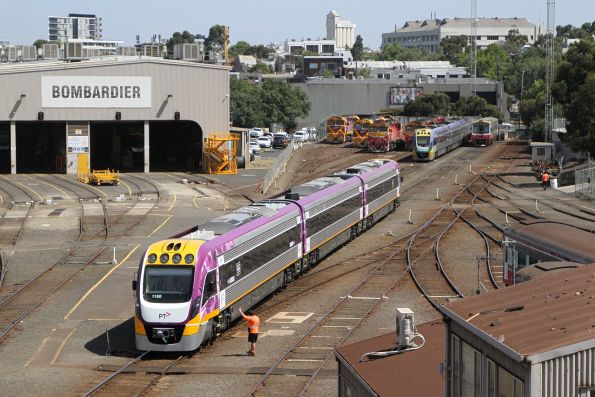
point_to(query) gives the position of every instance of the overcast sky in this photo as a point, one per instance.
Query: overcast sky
(264, 21)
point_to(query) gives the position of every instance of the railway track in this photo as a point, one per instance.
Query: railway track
(28, 297)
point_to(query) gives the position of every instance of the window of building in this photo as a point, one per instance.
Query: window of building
(493, 38)
(328, 48)
(455, 363)
(541, 151)
(330, 66)
(312, 65)
(586, 391)
(508, 384)
(491, 379)
(470, 371)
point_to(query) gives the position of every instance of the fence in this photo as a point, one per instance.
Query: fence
(278, 166)
(584, 182)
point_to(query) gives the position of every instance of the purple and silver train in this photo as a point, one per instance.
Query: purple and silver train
(189, 287)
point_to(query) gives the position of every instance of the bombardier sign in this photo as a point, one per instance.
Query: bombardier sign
(95, 92)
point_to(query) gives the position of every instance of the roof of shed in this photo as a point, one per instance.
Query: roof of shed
(537, 320)
(401, 371)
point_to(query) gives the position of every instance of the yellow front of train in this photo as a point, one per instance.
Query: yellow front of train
(167, 316)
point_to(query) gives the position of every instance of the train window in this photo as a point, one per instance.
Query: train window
(235, 270)
(381, 189)
(333, 214)
(168, 284)
(210, 287)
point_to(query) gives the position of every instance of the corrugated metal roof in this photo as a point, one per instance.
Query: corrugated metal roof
(547, 315)
(430, 24)
(414, 373)
(570, 243)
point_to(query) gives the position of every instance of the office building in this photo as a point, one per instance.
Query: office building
(74, 26)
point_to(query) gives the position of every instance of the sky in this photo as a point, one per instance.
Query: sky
(264, 21)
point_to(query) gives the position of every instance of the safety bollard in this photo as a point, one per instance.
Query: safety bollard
(114, 260)
(437, 194)
(409, 221)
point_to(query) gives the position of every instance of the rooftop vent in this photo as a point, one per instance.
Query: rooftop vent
(292, 196)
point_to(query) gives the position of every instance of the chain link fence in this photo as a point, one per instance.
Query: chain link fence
(584, 182)
(278, 167)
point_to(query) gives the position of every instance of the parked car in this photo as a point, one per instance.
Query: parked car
(256, 132)
(300, 136)
(280, 141)
(254, 145)
(264, 141)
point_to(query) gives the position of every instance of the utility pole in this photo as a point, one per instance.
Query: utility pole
(225, 40)
(549, 69)
(474, 45)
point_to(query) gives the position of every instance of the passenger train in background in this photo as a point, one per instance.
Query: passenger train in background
(385, 134)
(190, 287)
(411, 126)
(483, 131)
(360, 131)
(435, 140)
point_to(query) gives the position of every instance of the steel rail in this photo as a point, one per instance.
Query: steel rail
(112, 376)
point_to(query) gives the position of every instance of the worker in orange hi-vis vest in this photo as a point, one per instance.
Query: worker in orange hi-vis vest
(545, 179)
(253, 327)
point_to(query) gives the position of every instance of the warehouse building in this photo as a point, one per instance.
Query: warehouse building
(131, 114)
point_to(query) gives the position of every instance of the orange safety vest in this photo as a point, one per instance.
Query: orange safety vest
(545, 177)
(253, 323)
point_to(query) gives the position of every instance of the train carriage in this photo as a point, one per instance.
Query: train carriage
(483, 131)
(436, 140)
(336, 129)
(188, 287)
(384, 135)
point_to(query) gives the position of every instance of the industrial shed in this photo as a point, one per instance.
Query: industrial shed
(531, 339)
(129, 113)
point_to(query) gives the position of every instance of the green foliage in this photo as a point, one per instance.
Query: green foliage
(261, 67)
(581, 116)
(572, 72)
(493, 62)
(259, 51)
(428, 105)
(216, 38)
(515, 41)
(272, 102)
(453, 47)
(328, 74)
(394, 52)
(585, 32)
(357, 51)
(179, 38)
(475, 106)
(238, 48)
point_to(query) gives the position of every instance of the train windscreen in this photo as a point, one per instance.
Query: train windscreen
(481, 128)
(168, 284)
(423, 140)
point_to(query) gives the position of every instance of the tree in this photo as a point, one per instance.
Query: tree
(238, 48)
(179, 38)
(261, 67)
(215, 38)
(259, 51)
(357, 51)
(514, 41)
(245, 106)
(394, 52)
(452, 48)
(580, 117)
(493, 62)
(283, 103)
(428, 105)
(475, 106)
(272, 102)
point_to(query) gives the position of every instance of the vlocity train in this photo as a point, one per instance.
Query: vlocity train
(190, 287)
(436, 140)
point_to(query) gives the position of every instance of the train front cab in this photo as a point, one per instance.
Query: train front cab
(423, 148)
(167, 314)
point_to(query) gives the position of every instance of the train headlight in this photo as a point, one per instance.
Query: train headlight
(164, 258)
(189, 258)
(177, 258)
(152, 258)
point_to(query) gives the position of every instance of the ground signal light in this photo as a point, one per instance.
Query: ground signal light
(176, 115)
(118, 115)
(40, 116)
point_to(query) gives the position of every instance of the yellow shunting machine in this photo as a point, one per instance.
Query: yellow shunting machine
(97, 177)
(220, 153)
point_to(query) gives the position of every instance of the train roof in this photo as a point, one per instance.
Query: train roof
(242, 216)
(361, 168)
(316, 185)
(564, 241)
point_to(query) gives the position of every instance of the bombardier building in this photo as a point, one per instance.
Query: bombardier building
(130, 114)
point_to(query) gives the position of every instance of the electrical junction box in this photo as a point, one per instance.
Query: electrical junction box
(405, 327)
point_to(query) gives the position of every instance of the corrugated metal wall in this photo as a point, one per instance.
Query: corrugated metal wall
(562, 376)
(199, 92)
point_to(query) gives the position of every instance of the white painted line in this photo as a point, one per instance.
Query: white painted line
(297, 360)
(316, 348)
(289, 317)
(443, 296)
(45, 225)
(337, 326)
(346, 318)
(362, 297)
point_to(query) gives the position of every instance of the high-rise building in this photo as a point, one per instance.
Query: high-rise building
(343, 32)
(74, 26)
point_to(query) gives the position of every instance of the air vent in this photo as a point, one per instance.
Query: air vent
(292, 196)
(353, 171)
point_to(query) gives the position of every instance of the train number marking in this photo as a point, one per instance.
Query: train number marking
(289, 317)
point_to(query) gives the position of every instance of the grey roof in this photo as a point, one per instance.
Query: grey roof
(430, 24)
